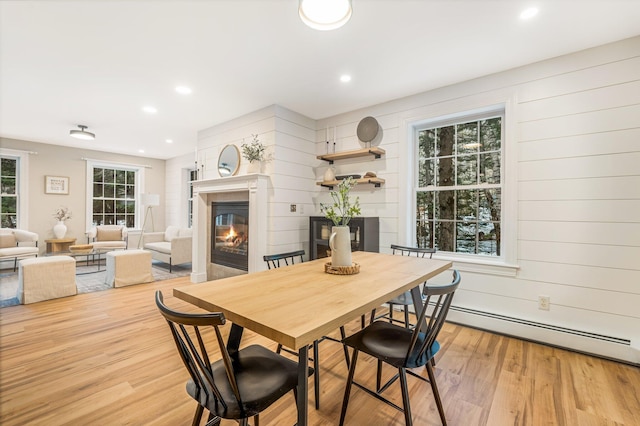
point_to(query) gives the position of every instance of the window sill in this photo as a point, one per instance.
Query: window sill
(479, 265)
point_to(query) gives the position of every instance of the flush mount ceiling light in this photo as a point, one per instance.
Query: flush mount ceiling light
(82, 134)
(325, 14)
(529, 13)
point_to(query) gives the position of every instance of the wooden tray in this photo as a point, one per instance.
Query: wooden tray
(342, 270)
(81, 248)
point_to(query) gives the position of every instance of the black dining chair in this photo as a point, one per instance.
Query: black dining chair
(404, 348)
(273, 260)
(405, 299)
(237, 386)
(284, 259)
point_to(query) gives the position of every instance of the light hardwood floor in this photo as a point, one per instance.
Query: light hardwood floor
(107, 358)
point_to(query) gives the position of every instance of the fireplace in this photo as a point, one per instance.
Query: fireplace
(230, 234)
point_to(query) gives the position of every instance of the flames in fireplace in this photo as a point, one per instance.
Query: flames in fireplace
(230, 236)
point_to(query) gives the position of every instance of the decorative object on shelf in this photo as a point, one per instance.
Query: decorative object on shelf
(368, 130)
(342, 270)
(61, 214)
(56, 185)
(229, 161)
(370, 175)
(82, 133)
(340, 213)
(342, 177)
(329, 175)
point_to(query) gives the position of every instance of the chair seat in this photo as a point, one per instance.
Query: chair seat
(109, 245)
(390, 343)
(258, 372)
(18, 251)
(162, 247)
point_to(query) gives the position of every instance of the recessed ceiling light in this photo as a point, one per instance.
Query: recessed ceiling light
(169, 141)
(141, 151)
(183, 90)
(529, 13)
(149, 109)
(345, 78)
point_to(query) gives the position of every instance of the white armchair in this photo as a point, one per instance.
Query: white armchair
(17, 244)
(172, 246)
(108, 237)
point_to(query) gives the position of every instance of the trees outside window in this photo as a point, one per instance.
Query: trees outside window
(114, 196)
(459, 187)
(193, 175)
(9, 192)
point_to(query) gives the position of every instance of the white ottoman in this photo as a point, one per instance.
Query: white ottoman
(128, 267)
(44, 278)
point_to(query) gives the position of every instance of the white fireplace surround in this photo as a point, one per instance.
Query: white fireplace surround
(256, 185)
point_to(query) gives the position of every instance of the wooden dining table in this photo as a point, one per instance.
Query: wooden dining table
(298, 304)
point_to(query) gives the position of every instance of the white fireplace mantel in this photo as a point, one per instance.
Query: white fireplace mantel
(256, 185)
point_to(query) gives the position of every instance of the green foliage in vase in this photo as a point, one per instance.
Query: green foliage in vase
(342, 210)
(253, 151)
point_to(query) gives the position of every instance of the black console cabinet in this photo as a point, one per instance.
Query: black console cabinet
(365, 235)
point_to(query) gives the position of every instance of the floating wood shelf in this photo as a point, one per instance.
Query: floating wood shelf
(375, 151)
(376, 181)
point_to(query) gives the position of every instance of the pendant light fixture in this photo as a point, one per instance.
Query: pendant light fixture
(325, 14)
(82, 134)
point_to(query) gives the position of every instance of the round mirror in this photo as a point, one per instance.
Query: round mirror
(229, 161)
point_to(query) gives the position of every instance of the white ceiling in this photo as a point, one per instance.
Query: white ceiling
(97, 63)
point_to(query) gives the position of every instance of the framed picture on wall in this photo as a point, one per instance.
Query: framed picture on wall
(56, 185)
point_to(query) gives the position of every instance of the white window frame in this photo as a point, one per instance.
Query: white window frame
(140, 179)
(505, 264)
(22, 188)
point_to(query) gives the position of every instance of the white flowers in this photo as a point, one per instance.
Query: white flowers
(62, 213)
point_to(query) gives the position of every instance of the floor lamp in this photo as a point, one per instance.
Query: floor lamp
(149, 201)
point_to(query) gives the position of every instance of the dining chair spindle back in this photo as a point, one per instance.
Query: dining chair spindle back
(237, 386)
(404, 348)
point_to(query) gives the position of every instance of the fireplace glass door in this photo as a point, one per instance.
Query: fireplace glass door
(230, 236)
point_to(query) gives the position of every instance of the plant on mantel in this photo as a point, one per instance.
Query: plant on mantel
(253, 151)
(342, 210)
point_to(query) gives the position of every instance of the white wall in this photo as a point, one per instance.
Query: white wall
(573, 128)
(573, 149)
(289, 138)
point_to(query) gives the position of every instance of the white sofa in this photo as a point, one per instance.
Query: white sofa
(172, 246)
(17, 244)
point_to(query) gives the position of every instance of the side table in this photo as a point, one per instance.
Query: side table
(59, 244)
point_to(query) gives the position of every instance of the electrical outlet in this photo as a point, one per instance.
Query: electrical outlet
(544, 303)
(293, 208)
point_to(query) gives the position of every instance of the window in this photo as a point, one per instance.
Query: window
(9, 192)
(113, 191)
(458, 185)
(193, 175)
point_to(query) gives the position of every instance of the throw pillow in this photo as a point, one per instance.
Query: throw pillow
(109, 234)
(7, 240)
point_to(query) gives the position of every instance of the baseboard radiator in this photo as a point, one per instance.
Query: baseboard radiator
(514, 320)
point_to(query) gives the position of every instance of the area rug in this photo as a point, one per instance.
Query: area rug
(88, 280)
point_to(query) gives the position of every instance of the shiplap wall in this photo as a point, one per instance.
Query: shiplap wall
(289, 138)
(573, 144)
(573, 136)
